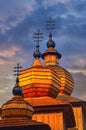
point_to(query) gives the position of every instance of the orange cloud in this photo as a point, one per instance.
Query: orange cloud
(77, 71)
(9, 52)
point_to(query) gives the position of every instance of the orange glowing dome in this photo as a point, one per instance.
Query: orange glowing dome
(66, 79)
(39, 81)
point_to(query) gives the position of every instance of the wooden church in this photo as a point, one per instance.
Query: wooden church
(46, 102)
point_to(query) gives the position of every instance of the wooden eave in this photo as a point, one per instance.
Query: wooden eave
(22, 124)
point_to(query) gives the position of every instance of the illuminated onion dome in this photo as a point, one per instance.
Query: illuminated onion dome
(38, 81)
(16, 107)
(50, 53)
(51, 60)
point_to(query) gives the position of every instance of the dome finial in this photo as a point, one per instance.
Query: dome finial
(37, 39)
(50, 26)
(17, 90)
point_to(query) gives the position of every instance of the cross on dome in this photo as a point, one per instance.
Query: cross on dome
(17, 69)
(50, 25)
(17, 90)
(37, 38)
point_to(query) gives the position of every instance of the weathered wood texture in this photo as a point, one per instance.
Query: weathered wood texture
(54, 120)
(79, 117)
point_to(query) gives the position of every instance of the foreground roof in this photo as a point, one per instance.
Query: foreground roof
(22, 124)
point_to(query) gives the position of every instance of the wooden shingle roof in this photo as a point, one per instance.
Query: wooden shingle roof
(22, 124)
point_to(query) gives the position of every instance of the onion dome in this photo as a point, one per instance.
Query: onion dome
(39, 81)
(17, 90)
(50, 43)
(37, 54)
(16, 107)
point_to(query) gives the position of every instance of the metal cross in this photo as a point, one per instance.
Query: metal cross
(17, 69)
(38, 38)
(50, 24)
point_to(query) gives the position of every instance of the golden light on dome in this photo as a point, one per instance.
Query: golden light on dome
(63, 82)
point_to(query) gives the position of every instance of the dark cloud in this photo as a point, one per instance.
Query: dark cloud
(78, 7)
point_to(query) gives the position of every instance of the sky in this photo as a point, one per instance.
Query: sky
(20, 19)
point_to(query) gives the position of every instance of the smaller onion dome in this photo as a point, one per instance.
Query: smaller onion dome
(50, 43)
(17, 90)
(37, 54)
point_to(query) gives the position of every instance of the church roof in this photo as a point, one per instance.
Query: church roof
(49, 104)
(76, 102)
(66, 79)
(16, 107)
(66, 98)
(22, 124)
(51, 51)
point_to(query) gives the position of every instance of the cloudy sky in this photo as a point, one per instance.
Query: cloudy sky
(20, 19)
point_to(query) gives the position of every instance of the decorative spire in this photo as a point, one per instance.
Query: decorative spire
(17, 90)
(51, 56)
(50, 26)
(37, 39)
(17, 69)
